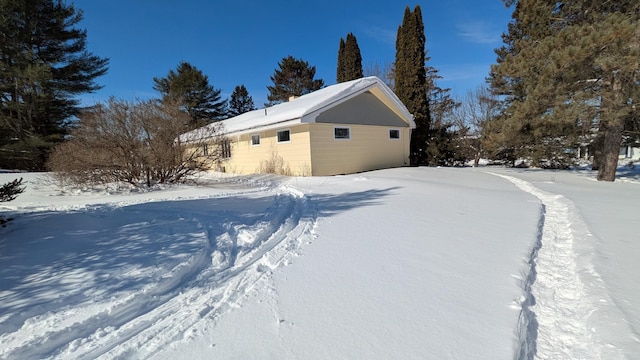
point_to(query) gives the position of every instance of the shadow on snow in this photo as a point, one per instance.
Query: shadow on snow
(53, 260)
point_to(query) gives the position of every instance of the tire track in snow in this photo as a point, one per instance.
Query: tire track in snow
(565, 295)
(217, 291)
(211, 283)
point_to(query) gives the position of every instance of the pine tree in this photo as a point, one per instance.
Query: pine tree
(570, 68)
(8, 192)
(411, 81)
(44, 65)
(349, 60)
(190, 87)
(241, 102)
(294, 78)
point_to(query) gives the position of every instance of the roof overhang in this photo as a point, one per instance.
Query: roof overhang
(307, 108)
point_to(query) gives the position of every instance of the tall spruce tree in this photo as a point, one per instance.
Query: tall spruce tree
(240, 102)
(569, 69)
(349, 60)
(44, 65)
(188, 86)
(294, 78)
(411, 80)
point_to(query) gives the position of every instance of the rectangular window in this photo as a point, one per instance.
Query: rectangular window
(341, 133)
(394, 134)
(205, 150)
(284, 136)
(255, 140)
(225, 149)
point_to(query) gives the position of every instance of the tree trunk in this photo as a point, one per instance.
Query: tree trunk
(612, 132)
(476, 159)
(610, 151)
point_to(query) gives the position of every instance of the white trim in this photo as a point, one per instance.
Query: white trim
(278, 137)
(259, 140)
(341, 127)
(306, 109)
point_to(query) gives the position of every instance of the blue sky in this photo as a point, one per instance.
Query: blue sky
(238, 42)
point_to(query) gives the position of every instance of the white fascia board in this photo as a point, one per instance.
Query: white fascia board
(278, 125)
(312, 115)
(401, 107)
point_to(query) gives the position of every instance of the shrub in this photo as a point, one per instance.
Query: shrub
(275, 164)
(9, 192)
(137, 143)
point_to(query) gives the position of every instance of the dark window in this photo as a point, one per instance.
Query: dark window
(394, 134)
(284, 136)
(205, 150)
(255, 139)
(341, 133)
(225, 149)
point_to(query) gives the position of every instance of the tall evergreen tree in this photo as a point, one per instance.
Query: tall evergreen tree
(411, 79)
(349, 60)
(569, 68)
(241, 102)
(44, 65)
(294, 78)
(190, 87)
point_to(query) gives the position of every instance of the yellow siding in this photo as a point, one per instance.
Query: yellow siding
(293, 157)
(369, 148)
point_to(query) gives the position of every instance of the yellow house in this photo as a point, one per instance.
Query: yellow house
(345, 128)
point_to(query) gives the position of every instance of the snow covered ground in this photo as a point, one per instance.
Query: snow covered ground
(411, 263)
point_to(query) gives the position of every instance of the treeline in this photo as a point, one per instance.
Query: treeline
(565, 89)
(565, 85)
(45, 65)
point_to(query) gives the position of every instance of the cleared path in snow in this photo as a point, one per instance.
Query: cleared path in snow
(568, 304)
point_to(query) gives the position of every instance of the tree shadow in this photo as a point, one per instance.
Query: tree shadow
(629, 173)
(333, 204)
(57, 260)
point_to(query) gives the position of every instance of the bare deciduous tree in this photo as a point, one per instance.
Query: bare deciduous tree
(473, 118)
(385, 72)
(134, 142)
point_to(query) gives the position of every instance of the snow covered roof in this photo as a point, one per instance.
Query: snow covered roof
(305, 109)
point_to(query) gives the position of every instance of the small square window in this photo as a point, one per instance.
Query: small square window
(255, 140)
(394, 134)
(284, 136)
(341, 133)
